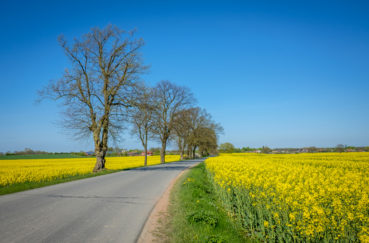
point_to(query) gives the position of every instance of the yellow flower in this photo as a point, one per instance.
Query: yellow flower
(319, 196)
(43, 170)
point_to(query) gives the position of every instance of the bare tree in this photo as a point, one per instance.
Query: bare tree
(208, 141)
(141, 118)
(105, 64)
(169, 99)
(182, 129)
(203, 132)
(194, 128)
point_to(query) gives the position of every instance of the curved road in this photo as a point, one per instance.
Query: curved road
(109, 208)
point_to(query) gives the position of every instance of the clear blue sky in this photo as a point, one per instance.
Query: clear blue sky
(275, 73)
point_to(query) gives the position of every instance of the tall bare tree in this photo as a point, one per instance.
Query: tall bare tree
(105, 64)
(141, 117)
(208, 139)
(169, 99)
(203, 132)
(182, 129)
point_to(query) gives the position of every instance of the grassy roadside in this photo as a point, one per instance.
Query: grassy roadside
(195, 214)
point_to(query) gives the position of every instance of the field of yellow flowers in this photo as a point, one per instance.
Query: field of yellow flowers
(296, 197)
(44, 170)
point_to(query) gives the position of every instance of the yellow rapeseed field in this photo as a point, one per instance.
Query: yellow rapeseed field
(42, 170)
(296, 197)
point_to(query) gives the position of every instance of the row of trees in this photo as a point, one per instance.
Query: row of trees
(167, 112)
(102, 91)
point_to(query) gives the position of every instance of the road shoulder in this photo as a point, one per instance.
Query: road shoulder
(159, 213)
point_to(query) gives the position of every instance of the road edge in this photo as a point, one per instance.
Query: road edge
(161, 208)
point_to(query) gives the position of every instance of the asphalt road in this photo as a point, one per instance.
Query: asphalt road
(109, 208)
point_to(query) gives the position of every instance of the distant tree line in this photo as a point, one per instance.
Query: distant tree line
(230, 148)
(29, 151)
(26, 151)
(102, 91)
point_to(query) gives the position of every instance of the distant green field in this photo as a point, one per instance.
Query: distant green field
(42, 156)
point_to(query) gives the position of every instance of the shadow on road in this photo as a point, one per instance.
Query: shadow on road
(106, 199)
(157, 168)
(90, 197)
(173, 166)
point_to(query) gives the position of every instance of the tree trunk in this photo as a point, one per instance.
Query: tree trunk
(188, 151)
(145, 149)
(183, 150)
(194, 152)
(100, 161)
(101, 147)
(162, 151)
(180, 147)
(185, 145)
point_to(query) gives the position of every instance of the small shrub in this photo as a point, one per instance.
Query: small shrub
(215, 239)
(203, 217)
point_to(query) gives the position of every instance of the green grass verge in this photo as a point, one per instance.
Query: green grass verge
(196, 215)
